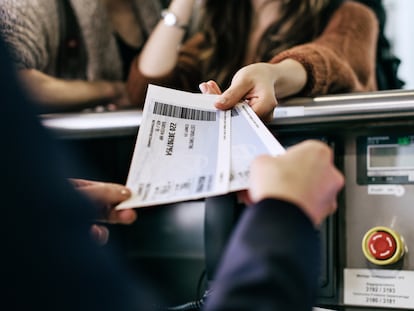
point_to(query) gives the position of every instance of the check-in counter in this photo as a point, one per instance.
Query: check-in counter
(372, 135)
(331, 108)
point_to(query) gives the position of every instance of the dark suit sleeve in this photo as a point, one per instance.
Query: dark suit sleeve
(48, 260)
(271, 262)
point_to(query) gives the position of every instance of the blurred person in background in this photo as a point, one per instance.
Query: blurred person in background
(72, 54)
(284, 47)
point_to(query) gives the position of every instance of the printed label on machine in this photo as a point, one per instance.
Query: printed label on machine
(396, 190)
(379, 288)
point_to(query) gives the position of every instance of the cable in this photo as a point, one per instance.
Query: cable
(189, 306)
(200, 284)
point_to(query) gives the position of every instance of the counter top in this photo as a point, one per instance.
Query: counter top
(330, 108)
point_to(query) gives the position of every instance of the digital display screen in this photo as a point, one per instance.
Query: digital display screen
(390, 157)
(385, 159)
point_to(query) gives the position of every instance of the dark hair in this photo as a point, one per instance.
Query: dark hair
(227, 23)
(387, 63)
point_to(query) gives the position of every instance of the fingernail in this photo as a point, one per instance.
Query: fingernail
(221, 100)
(125, 192)
(202, 87)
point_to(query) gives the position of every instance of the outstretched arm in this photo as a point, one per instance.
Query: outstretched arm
(340, 60)
(55, 94)
(160, 53)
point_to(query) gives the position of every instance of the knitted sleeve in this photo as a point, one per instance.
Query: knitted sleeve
(30, 28)
(342, 58)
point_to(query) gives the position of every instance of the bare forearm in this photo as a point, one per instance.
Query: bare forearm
(159, 55)
(55, 94)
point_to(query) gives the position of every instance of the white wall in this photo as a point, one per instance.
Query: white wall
(399, 29)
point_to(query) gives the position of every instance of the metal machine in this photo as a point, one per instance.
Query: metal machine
(367, 244)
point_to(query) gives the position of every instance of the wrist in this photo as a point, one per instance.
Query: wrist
(110, 90)
(118, 90)
(171, 20)
(182, 10)
(290, 77)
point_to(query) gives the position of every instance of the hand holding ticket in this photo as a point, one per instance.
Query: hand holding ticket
(186, 149)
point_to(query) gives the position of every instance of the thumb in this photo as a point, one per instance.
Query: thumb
(100, 234)
(233, 95)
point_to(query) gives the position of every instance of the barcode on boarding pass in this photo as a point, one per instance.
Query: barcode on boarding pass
(183, 112)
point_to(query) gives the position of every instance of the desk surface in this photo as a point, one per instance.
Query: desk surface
(295, 111)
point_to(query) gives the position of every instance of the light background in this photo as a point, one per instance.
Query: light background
(399, 29)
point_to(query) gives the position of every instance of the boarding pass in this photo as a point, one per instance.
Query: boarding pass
(186, 149)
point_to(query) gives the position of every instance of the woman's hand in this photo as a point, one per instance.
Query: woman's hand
(249, 84)
(260, 85)
(253, 84)
(209, 87)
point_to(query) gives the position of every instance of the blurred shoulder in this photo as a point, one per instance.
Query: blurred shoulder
(357, 8)
(9, 8)
(27, 13)
(355, 15)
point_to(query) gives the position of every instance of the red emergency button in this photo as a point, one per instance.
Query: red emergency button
(382, 246)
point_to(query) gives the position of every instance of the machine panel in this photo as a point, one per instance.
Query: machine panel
(379, 195)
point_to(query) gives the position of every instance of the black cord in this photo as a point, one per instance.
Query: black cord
(189, 306)
(200, 284)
